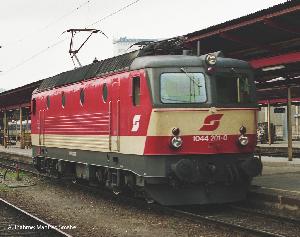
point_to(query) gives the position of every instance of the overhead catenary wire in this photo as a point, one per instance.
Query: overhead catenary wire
(62, 40)
(67, 14)
(36, 55)
(49, 24)
(115, 12)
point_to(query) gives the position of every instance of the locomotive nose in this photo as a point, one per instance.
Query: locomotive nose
(185, 170)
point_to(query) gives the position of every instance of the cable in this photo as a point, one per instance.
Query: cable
(50, 24)
(67, 14)
(35, 55)
(62, 40)
(114, 13)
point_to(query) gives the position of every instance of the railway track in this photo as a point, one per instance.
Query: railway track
(236, 218)
(16, 222)
(8, 163)
(263, 214)
(232, 217)
(253, 223)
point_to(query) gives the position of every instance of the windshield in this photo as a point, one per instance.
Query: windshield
(183, 87)
(234, 88)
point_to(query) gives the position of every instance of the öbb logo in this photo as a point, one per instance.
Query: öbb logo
(136, 123)
(211, 122)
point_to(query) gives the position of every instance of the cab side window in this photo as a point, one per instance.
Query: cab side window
(63, 99)
(136, 90)
(48, 102)
(33, 108)
(81, 97)
(104, 92)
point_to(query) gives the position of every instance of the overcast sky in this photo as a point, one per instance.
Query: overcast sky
(34, 45)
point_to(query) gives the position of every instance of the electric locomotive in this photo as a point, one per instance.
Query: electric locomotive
(178, 129)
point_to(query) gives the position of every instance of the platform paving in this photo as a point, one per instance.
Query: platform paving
(279, 173)
(287, 182)
(279, 184)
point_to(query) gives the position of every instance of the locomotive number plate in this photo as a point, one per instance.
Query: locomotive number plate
(210, 138)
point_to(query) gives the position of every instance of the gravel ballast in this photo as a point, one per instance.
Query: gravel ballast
(89, 213)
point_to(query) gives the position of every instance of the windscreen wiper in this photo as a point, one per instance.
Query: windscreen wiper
(191, 78)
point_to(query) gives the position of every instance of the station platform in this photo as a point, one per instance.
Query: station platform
(279, 184)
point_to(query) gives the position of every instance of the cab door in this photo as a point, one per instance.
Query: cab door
(41, 127)
(115, 115)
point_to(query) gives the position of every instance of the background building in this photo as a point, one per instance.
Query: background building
(278, 118)
(122, 45)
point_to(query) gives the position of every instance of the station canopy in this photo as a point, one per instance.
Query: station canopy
(269, 39)
(18, 97)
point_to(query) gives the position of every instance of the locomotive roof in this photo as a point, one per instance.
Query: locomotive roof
(183, 61)
(133, 60)
(98, 68)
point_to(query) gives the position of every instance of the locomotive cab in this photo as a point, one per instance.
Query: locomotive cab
(202, 128)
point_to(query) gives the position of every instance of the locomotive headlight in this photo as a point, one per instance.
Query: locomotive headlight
(210, 59)
(243, 140)
(176, 142)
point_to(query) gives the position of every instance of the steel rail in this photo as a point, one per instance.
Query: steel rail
(34, 217)
(237, 227)
(11, 166)
(269, 215)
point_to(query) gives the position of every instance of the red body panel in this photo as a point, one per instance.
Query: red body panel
(93, 117)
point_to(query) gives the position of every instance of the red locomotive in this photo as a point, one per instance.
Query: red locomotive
(179, 129)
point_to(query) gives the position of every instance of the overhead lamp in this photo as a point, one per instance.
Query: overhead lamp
(277, 67)
(211, 59)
